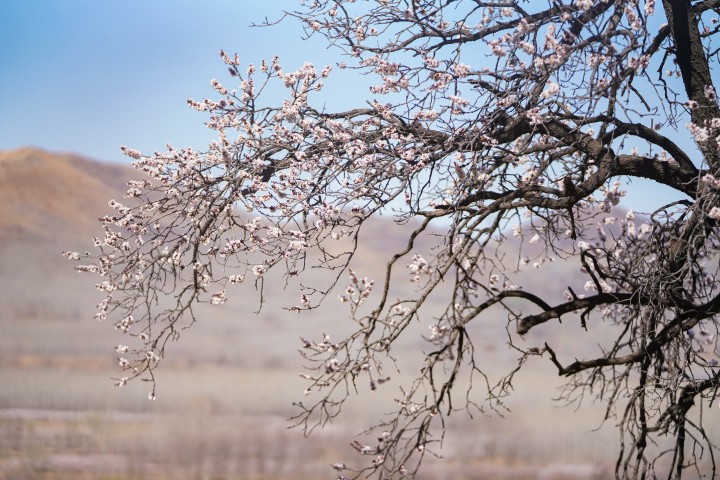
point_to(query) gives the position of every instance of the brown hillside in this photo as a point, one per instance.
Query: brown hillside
(46, 196)
(50, 203)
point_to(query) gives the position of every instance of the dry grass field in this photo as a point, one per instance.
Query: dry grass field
(225, 390)
(61, 420)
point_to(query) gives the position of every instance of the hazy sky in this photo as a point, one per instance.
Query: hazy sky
(91, 75)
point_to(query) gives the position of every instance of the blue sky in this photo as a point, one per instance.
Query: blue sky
(88, 76)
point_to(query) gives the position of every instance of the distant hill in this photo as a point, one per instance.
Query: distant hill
(48, 197)
(50, 202)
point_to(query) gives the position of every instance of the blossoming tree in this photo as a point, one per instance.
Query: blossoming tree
(490, 121)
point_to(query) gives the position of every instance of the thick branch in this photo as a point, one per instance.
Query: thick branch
(528, 322)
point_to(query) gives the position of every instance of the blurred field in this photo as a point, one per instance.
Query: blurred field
(225, 422)
(225, 389)
(224, 393)
(221, 409)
